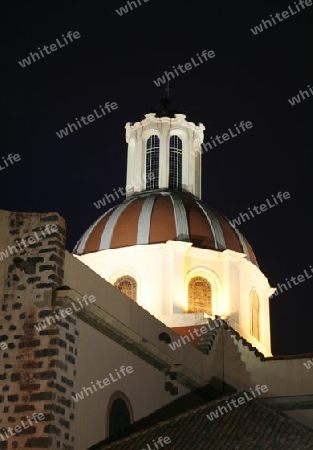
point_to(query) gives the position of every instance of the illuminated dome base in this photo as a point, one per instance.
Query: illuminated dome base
(181, 285)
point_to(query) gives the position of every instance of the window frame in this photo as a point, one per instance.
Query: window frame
(133, 287)
(115, 396)
(152, 155)
(175, 162)
(207, 308)
(255, 314)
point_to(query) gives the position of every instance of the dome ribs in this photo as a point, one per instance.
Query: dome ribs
(94, 238)
(126, 228)
(161, 216)
(181, 221)
(199, 228)
(162, 224)
(231, 239)
(250, 252)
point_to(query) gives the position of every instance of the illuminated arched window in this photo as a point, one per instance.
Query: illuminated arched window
(199, 296)
(176, 146)
(152, 162)
(119, 418)
(255, 315)
(128, 286)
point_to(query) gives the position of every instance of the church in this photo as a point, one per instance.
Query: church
(155, 332)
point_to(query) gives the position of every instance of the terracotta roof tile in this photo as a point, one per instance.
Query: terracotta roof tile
(251, 426)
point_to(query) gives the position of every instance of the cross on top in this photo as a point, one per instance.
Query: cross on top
(166, 99)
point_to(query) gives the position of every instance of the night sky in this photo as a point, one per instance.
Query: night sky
(115, 59)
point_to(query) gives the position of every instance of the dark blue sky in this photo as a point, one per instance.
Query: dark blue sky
(116, 59)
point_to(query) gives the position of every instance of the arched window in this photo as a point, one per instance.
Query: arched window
(255, 315)
(152, 162)
(176, 146)
(119, 418)
(199, 296)
(128, 286)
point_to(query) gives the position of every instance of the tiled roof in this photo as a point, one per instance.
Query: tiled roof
(251, 426)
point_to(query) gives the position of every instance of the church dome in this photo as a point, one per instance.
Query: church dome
(157, 216)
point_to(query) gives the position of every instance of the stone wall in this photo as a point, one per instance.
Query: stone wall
(31, 267)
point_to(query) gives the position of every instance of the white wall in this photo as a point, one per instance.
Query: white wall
(98, 356)
(163, 271)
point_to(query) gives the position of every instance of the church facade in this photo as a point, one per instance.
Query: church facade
(89, 340)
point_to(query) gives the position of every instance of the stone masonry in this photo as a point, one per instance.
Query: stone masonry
(36, 366)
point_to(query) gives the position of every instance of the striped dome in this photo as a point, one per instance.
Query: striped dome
(159, 216)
